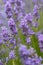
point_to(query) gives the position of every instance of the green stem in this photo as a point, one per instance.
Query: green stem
(5, 63)
(13, 62)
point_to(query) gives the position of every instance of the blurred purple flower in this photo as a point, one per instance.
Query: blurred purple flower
(1, 23)
(24, 26)
(8, 9)
(1, 62)
(5, 34)
(34, 1)
(29, 17)
(11, 54)
(31, 32)
(35, 24)
(12, 1)
(12, 26)
(35, 12)
(1, 41)
(28, 40)
(40, 37)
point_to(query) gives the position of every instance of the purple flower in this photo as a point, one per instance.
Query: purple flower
(8, 6)
(35, 24)
(11, 54)
(18, 9)
(41, 49)
(1, 62)
(11, 22)
(40, 37)
(9, 14)
(11, 40)
(34, 1)
(1, 41)
(12, 26)
(4, 1)
(38, 33)
(29, 56)
(41, 46)
(14, 42)
(35, 12)
(15, 11)
(22, 50)
(31, 32)
(20, 16)
(31, 51)
(37, 61)
(12, 1)
(5, 34)
(28, 40)
(35, 9)
(8, 9)
(29, 17)
(1, 22)
(28, 61)
(24, 26)
(19, 4)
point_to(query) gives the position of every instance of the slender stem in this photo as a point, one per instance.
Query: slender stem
(5, 63)
(13, 62)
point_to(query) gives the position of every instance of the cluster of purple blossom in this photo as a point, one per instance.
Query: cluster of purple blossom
(29, 56)
(18, 19)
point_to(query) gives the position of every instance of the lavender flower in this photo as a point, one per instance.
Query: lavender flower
(8, 9)
(12, 1)
(1, 41)
(1, 62)
(34, 1)
(1, 23)
(15, 11)
(12, 26)
(28, 40)
(14, 42)
(19, 4)
(40, 39)
(29, 56)
(24, 27)
(11, 54)
(19, 10)
(11, 40)
(29, 17)
(35, 24)
(4, 1)
(5, 34)
(31, 32)
(35, 12)
(28, 61)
